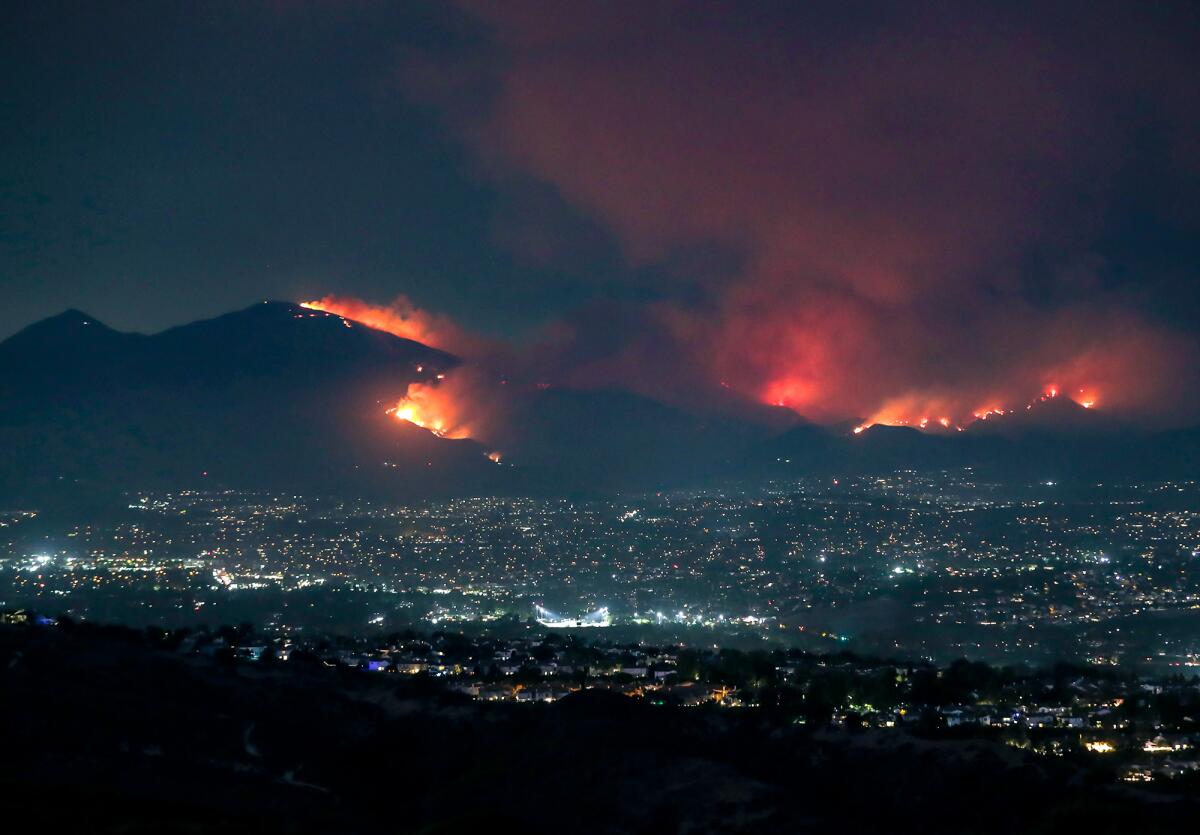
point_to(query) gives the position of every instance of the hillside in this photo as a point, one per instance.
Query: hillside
(142, 738)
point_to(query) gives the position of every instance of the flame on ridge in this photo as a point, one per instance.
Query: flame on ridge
(400, 318)
(900, 412)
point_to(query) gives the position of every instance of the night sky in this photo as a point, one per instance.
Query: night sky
(850, 209)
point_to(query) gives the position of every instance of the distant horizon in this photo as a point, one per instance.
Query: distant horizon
(931, 425)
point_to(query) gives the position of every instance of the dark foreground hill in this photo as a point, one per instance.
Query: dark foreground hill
(105, 731)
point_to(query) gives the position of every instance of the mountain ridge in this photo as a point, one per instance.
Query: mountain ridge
(271, 395)
(278, 395)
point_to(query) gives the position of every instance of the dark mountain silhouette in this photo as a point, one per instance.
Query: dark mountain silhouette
(1050, 415)
(1056, 439)
(271, 396)
(279, 396)
(617, 440)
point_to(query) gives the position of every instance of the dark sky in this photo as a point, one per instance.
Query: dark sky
(166, 161)
(846, 207)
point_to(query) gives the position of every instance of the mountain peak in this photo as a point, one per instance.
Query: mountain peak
(280, 329)
(64, 329)
(69, 319)
(72, 316)
(1047, 414)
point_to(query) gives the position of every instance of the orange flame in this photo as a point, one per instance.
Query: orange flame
(912, 410)
(401, 318)
(431, 407)
(1086, 398)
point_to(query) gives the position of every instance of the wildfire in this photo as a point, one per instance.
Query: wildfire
(791, 394)
(401, 318)
(429, 407)
(901, 411)
(934, 414)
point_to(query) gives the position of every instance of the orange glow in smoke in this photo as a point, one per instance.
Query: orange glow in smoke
(1087, 398)
(432, 408)
(457, 405)
(790, 394)
(914, 411)
(911, 410)
(401, 318)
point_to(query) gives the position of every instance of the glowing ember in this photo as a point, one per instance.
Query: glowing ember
(987, 412)
(495, 457)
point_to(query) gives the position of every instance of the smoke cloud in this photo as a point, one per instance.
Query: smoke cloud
(912, 199)
(404, 319)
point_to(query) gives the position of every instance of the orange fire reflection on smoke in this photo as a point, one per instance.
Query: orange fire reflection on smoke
(433, 408)
(913, 411)
(401, 318)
